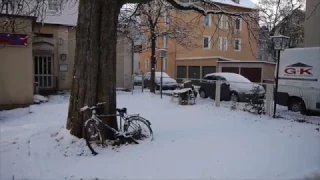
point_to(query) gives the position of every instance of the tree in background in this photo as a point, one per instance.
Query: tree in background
(157, 20)
(284, 17)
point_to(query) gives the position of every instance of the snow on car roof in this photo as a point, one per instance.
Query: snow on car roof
(230, 76)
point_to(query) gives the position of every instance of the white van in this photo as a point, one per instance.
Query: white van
(299, 79)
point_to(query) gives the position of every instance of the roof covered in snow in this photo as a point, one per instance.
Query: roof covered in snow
(68, 14)
(242, 3)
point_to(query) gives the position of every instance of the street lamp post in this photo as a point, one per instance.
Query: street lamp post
(162, 54)
(280, 42)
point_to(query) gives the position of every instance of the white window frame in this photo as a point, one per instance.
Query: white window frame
(222, 22)
(209, 42)
(234, 44)
(240, 24)
(166, 19)
(220, 43)
(53, 5)
(165, 41)
(209, 20)
(225, 44)
(226, 22)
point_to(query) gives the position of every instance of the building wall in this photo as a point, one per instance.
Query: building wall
(63, 43)
(312, 25)
(195, 50)
(124, 63)
(269, 72)
(16, 68)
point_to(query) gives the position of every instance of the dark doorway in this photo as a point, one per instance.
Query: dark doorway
(194, 73)
(181, 73)
(253, 74)
(208, 70)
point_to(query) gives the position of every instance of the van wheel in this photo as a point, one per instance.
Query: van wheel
(234, 97)
(297, 105)
(202, 94)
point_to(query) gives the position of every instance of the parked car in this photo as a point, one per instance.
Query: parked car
(167, 82)
(137, 79)
(234, 87)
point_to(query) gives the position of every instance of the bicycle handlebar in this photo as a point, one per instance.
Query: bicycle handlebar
(92, 107)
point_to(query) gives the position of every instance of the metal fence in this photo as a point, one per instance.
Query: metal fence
(288, 96)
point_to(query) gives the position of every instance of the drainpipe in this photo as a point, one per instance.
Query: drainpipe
(132, 56)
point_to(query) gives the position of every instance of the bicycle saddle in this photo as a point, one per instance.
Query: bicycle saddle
(122, 110)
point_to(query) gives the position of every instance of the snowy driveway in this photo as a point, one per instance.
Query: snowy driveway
(191, 142)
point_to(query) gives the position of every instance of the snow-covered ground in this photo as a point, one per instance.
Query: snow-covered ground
(191, 142)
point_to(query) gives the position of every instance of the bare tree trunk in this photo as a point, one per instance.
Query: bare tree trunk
(95, 62)
(153, 62)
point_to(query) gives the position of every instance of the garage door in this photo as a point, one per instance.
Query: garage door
(208, 70)
(194, 73)
(230, 69)
(253, 74)
(181, 73)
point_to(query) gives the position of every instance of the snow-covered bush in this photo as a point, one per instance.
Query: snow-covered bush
(255, 103)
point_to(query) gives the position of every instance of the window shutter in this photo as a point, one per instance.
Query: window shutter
(226, 22)
(165, 41)
(220, 43)
(225, 43)
(220, 21)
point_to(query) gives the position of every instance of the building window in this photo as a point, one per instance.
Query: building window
(207, 20)
(146, 64)
(53, 5)
(237, 44)
(223, 43)
(166, 19)
(206, 42)
(223, 21)
(238, 24)
(165, 41)
(164, 64)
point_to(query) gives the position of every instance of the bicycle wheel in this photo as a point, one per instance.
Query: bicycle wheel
(138, 128)
(93, 136)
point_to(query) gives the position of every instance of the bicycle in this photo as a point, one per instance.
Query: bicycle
(93, 126)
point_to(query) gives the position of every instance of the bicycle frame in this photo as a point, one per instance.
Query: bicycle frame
(98, 121)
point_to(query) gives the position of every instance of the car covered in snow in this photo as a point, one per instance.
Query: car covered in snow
(234, 87)
(168, 83)
(137, 79)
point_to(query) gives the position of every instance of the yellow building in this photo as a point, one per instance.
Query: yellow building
(223, 38)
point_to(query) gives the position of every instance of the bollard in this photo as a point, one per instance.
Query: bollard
(217, 96)
(269, 99)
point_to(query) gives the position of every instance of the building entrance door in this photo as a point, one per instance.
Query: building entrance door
(43, 71)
